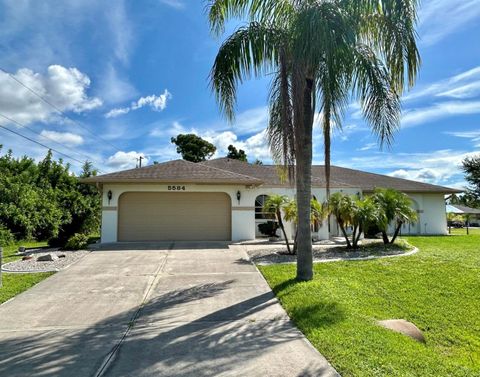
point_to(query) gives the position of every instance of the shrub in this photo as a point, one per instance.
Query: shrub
(269, 228)
(77, 241)
(6, 237)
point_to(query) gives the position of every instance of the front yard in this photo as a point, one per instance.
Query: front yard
(438, 289)
(13, 284)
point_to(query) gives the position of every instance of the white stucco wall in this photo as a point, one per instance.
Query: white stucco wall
(431, 208)
(432, 213)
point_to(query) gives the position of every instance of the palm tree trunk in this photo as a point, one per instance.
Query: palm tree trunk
(327, 150)
(397, 231)
(280, 223)
(386, 241)
(303, 149)
(344, 232)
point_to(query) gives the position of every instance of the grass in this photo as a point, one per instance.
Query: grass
(463, 231)
(438, 289)
(13, 284)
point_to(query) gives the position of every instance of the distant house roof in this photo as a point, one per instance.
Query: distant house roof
(457, 208)
(178, 171)
(230, 171)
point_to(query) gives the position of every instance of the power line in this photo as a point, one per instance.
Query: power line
(44, 136)
(56, 108)
(43, 145)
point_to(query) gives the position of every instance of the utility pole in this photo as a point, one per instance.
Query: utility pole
(139, 159)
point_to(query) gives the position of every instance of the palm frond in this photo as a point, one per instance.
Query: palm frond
(280, 132)
(220, 11)
(251, 50)
(380, 102)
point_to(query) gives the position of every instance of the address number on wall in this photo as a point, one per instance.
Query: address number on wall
(176, 188)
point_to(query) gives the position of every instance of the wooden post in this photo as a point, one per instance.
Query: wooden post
(1, 255)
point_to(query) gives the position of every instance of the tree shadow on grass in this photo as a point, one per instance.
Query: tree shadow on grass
(321, 313)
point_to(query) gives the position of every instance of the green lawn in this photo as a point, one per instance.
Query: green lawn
(463, 231)
(13, 284)
(438, 289)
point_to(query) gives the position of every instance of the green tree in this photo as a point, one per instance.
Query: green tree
(319, 53)
(274, 206)
(236, 154)
(471, 168)
(397, 209)
(45, 201)
(193, 148)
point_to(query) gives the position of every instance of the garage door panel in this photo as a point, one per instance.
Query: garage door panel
(151, 216)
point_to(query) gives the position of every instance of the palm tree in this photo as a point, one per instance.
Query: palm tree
(321, 54)
(397, 208)
(318, 213)
(274, 205)
(343, 208)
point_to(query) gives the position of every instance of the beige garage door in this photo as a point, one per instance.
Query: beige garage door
(178, 216)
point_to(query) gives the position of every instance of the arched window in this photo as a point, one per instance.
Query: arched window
(259, 202)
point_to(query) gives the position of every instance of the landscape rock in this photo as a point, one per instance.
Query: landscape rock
(61, 255)
(47, 258)
(404, 327)
(27, 257)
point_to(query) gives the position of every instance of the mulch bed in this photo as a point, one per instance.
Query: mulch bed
(275, 254)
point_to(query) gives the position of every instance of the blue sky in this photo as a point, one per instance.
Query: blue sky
(131, 76)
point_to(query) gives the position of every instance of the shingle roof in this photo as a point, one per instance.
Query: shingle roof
(268, 173)
(178, 171)
(465, 209)
(230, 171)
(340, 177)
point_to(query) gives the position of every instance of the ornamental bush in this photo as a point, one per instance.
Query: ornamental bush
(6, 237)
(77, 241)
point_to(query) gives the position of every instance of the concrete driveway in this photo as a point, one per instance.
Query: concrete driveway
(178, 310)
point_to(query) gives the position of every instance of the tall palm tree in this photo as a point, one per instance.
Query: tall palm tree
(322, 53)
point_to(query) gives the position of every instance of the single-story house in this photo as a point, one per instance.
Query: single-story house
(222, 199)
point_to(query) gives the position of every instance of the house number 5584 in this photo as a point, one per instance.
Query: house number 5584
(176, 188)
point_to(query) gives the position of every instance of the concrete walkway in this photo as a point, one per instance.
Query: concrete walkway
(179, 310)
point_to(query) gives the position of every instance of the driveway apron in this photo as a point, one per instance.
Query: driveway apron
(178, 309)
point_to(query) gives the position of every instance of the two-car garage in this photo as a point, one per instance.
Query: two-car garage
(174, 216)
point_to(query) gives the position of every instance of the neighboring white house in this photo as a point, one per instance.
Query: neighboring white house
(222, 199)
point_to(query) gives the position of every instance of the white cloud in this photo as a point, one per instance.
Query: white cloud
(177, 4)
(439, 167)
(66, 138)
(117, 112)
(254, 146)
(368, 147)
(66, 88)
(171, 130)
(156, 103)
(421, 115)
(440, 18)
(114, 88)
(121, 31)
(474, 135)
(251, 121)
(125, 160)
(462, 85)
